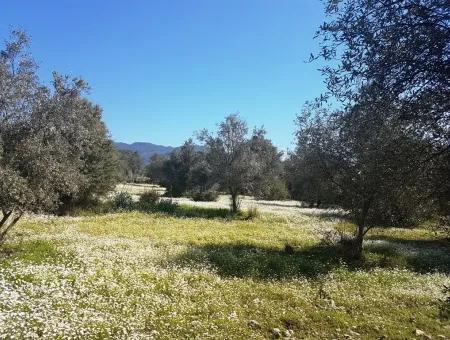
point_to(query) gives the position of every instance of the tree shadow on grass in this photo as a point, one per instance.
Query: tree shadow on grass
(203, 212)
(163, 206)
(188, 211)
(425, 244)
(244, 260)
(325, 214)
(281, 205)
(422, 256)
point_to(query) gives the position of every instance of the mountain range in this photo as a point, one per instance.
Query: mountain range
(147, 150)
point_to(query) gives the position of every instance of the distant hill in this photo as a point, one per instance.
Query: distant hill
(147, 150)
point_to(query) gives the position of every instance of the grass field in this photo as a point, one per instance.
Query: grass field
(137, 189)
(141, 276)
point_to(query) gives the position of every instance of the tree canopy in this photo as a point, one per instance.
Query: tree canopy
(54, 148)
(383, 152)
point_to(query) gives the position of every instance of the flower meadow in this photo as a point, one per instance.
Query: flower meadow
(152, 276)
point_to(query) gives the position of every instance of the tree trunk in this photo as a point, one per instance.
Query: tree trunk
(6, 224)
(358, 242)
(234, 202)
(4, 218)
(361, 231)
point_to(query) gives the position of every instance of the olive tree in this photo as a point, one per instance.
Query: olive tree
(178, 169)
(53, 146)
(369, 165)
(177, 172)
(235, 159)
(268, 182)
(395, 54)
(130, 165)
(385, 150)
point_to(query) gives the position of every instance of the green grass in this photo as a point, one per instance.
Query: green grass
(141, 275)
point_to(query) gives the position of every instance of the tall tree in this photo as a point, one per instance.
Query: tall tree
(228, 154)
(50, 139)
(268, 182)
(387, 147)
(395, 54)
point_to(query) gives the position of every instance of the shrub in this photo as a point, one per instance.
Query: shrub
(166, 206)
(123, 201)
(205, 196)
(149, 200)
(92, 207)
(274, 190)
(150, 197)
(251, 213)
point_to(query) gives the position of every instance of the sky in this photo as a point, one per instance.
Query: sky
(164, 69)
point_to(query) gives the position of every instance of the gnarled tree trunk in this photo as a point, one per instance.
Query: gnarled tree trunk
(9, 219)
(361, 230)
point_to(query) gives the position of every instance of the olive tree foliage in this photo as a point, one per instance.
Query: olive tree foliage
(94, 157)
(306, 185)
(181, 172)
(238, 162)
(400, 47)
(269, 182)
(178, 169)
(130, 165)
(53, 146)
(155, 169)
(367, 163)
(395, 54)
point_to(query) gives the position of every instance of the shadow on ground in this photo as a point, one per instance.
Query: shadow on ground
(167, 207)
(429, 255)
(325, 214)
(281, 205)
(243, 260)
(190, 211)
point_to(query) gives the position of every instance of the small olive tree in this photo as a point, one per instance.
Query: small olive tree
(231, 160)
(269, 182)
(369, 165)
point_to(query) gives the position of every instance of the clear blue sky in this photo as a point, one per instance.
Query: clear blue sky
(164, 69)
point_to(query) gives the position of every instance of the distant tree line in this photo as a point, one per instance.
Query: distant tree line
(232, 161)
(130, 166)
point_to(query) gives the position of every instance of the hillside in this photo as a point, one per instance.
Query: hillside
(145, 150)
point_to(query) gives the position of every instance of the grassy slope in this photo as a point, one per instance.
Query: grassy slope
(135, 275)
